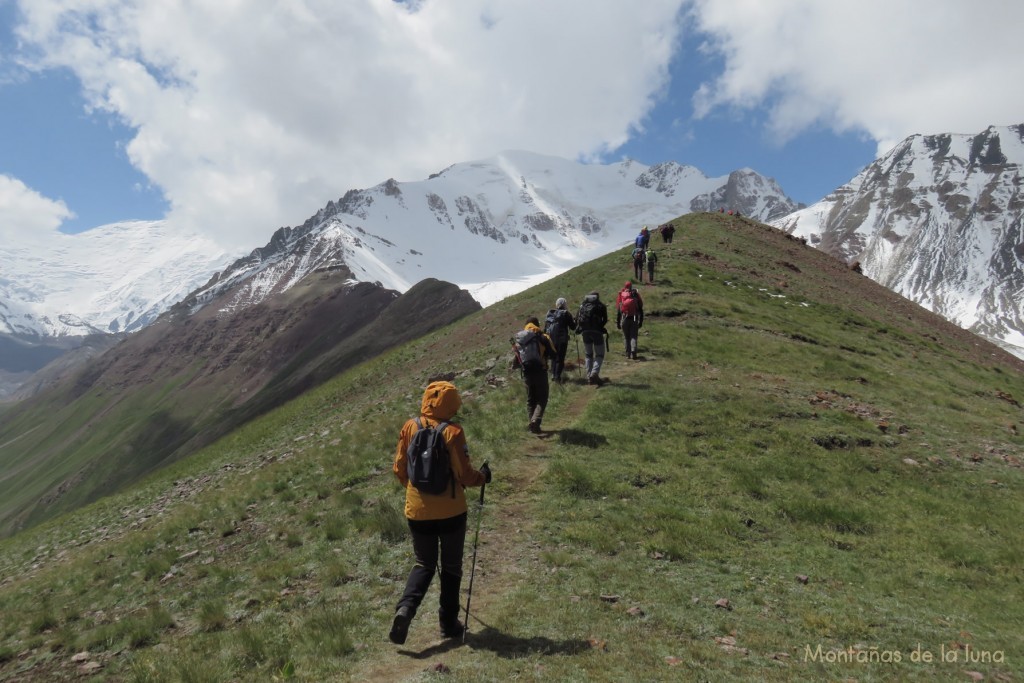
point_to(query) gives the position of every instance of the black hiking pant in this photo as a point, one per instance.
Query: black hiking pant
(638, 271)
(428, 538)
(558, 362)
(630, 333)
(536, 380)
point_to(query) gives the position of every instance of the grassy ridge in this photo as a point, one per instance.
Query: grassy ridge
(838, 470)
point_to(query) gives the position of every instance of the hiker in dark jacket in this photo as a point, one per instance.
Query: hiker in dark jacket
(629, 317)
(637, 256)
(590, 322)
(436, 522)
(667, 231)
(533, 350)
(557, 325)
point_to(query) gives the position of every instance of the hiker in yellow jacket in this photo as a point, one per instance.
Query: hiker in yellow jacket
(436, 522)
(533, 350)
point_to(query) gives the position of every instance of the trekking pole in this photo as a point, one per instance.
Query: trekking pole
(472, 571)
(579, 361)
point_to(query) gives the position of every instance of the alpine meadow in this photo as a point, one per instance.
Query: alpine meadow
(803, 476)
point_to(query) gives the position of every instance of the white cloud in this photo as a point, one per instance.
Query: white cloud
(251, 115)
(26, 215)
(890, 68)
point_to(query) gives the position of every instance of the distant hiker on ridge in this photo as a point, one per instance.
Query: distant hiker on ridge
(557, 325)
(651, 259)
(629, 316)
(667, 231)
(590, 322)
(643, 238)
(637, 256)
(533, 348)
(437, 521)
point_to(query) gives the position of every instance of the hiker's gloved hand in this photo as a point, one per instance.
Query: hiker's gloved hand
(485, 470)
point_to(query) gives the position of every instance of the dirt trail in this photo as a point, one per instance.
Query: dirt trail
(505, 551)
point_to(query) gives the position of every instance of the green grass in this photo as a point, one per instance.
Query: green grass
(848, 480)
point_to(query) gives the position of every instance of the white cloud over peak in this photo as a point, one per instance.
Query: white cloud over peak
(244, 111)
(26, 215)
(890, 68)
(252, 115)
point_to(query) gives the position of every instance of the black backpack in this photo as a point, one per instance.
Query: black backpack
(592, 315)
(528, 349)
(555, 324)
(428, 464)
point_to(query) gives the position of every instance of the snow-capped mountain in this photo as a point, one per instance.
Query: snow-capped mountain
(494, 227)
(938, 220)
(115, 278)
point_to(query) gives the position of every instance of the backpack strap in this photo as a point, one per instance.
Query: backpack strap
(441, 426)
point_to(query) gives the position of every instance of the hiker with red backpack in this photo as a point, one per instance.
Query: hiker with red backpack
(629, 316)
(432, 463)
(590, 322)
(557, 325)
(533, 348)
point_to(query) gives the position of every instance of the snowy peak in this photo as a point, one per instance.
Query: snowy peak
(115, 278)
(939, 220)
(667, 177)
(493, 226)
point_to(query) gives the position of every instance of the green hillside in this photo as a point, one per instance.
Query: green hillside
(188, 379)
(803, 477)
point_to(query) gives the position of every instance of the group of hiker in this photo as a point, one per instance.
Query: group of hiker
(432, 458)
(539, 351)
(643, 256)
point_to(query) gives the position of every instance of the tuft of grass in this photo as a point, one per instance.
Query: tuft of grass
(42, 621)
(212, 615)
(383, 518)
(328, 632)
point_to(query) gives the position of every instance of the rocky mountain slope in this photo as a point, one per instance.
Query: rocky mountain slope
(187, 379)
(939, 220)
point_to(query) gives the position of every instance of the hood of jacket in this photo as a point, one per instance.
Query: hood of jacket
(530, 327)
(441, 401)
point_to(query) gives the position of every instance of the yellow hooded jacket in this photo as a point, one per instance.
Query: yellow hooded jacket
(440, 403)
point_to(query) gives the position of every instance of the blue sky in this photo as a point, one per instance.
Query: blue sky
(233, 119)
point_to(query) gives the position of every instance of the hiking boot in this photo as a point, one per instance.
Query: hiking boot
(453, 629)
(596, 380)
(534, 427)
(400, 626)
